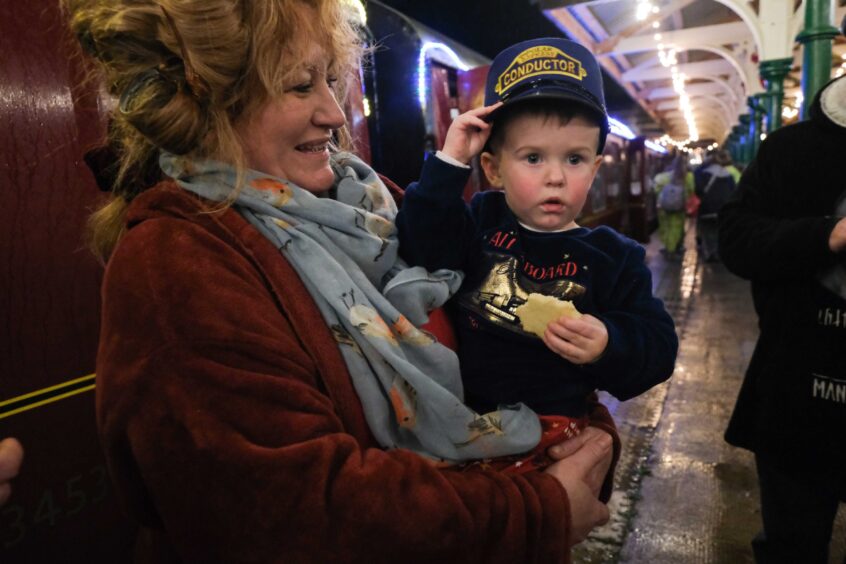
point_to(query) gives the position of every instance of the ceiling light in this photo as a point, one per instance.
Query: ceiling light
(643, 9)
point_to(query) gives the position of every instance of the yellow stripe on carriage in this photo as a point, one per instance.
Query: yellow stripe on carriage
(34, 395)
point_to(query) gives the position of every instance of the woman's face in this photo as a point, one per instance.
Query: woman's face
(289, 136)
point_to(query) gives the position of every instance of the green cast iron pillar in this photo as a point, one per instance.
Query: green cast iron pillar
(816, 57)
(738, 155)
(773, 73)
(756, 114)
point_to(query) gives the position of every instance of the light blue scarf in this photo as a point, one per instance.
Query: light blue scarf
(345, 251)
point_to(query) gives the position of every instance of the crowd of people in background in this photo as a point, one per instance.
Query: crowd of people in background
(698, 194)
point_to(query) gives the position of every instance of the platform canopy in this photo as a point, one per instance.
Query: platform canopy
(693, 64)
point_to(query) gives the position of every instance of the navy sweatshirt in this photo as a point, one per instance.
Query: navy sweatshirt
(601, 271)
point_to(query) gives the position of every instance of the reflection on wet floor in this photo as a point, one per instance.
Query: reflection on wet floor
(683, 495)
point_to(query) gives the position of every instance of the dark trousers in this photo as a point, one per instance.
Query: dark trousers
(706, 233)
(798, 516)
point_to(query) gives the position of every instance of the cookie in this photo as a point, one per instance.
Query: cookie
(539, 310)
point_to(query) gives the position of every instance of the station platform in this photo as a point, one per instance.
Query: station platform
(683, 495)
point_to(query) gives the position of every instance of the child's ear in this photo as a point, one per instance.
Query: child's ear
(597, 162)
(490, 164)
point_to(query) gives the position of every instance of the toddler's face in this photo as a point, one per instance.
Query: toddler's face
(546, 169)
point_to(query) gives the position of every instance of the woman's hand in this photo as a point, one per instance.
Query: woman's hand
(837, 239)
(11, 456)
(468, 134)
(580, 341)
(596, 477)
(584, 461)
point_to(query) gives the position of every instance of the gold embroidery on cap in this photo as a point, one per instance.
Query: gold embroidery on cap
(535, 61)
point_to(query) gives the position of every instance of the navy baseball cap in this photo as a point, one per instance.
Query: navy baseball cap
(550, 67)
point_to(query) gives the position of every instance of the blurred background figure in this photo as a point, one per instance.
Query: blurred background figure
(730, 167)
(714, 185)
(673, 187)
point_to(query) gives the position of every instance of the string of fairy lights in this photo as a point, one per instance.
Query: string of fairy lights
(667, 55)
(790, 111)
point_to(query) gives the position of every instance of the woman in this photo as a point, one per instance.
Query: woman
(676, 185)
(263, 392)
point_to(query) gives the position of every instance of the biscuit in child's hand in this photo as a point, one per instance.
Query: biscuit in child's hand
(539, 310)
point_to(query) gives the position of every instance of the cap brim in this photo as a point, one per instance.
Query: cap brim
(552, 92)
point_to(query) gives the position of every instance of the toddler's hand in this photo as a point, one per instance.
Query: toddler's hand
(580, 341)
(468, 134)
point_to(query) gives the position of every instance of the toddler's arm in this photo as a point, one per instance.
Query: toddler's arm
(640, 343)
(435, 225)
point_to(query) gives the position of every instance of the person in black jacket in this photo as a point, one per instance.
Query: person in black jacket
(785, 231)
(714, 185)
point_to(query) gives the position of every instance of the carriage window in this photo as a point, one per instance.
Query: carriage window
(612, 171)
(635, 186)
(443, 100)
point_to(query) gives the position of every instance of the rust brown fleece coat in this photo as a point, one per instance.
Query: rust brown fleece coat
(232, 430)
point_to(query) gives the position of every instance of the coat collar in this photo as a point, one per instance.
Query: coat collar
(829, 106)
(833, 102)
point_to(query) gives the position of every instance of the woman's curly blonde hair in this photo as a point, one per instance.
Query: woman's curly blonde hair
(182, 72)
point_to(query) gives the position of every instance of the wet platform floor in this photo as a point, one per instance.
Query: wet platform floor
(683, 495)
